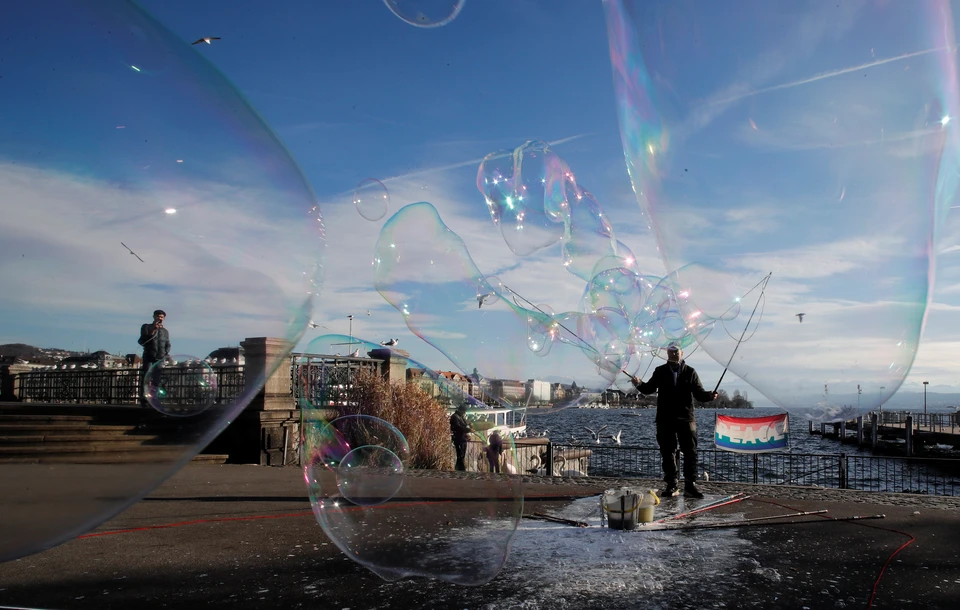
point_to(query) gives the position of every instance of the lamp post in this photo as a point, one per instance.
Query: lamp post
(925, 398)
(859, 392)
(882, 388)
(350, 347)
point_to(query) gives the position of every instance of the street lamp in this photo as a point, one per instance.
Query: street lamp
(882, 388)
(925, 398)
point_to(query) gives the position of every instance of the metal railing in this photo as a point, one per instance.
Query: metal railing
(322, 382)
(935, 476)
(121, 386)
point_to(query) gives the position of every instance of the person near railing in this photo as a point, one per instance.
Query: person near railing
(677, 385)
(155, 340)
(460, 430)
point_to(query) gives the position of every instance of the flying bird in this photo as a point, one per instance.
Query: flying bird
(390, 343)
(206, 39)
(596, 435)
(313, 324)
(483, 298)
(800, 316)
(132, 252)
(616, 438)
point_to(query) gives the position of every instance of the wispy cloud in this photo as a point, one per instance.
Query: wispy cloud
(745, 92)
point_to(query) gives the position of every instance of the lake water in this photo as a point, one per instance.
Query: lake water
(637, 428)
(809, 460)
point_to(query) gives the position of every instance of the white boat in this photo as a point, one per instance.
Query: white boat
(486, 419)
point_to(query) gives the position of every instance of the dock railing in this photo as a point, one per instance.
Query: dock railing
(935, 476)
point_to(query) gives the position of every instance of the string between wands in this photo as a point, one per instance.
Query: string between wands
(763, 286)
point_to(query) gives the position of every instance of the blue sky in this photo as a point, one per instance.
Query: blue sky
(353, 92)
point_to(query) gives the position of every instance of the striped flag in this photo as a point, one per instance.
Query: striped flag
(752, 434)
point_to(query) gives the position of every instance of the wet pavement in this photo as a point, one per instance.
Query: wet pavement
(245, 536)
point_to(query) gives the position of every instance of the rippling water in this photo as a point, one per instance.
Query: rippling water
(637, 428)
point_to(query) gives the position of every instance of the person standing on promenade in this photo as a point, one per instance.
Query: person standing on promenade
(460, 430)
(494, 451)
(677, 385)
(155, 340)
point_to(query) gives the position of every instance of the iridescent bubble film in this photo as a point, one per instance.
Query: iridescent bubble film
(184, 386)
(812, 141)
(134, 177)
(373, 421)
(372, 199)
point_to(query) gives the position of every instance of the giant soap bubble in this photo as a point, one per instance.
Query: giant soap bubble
(813, 140)
(372, 423)
(133, 177)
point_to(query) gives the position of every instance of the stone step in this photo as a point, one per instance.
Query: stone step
(44, 436)
(43, 448)
(113, 457)
(15, 429)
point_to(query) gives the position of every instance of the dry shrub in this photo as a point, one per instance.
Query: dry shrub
(422, 420)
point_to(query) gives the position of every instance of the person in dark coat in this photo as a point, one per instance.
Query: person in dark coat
(460, 430)
(494, 451)
(677, 385)
(155, 340)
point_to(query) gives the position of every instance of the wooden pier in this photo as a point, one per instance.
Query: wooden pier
(916, 430)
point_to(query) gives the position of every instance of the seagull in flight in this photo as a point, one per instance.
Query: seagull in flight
(313, 324)
(483, 298)
(132, 252)
(616, 438)
(206, 39)
(800, 316)
(390, 343)
(595, 434)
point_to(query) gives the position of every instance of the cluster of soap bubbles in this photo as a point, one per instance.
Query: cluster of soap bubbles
(361, 469)
(133, 175)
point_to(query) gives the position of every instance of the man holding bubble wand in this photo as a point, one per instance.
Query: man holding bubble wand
(677, 386)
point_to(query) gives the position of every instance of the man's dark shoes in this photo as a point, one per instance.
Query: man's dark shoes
(670, 490)
(690, 491)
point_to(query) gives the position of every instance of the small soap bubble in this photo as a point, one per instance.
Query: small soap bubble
(372, 199)
(426, 13)
(181, 386)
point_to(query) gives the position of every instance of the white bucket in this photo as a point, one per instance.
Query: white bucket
(621, 507)
(625, 508)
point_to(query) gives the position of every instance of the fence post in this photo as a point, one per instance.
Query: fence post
(843, 470)
(756, 468)
(908, 431)
(549, 464)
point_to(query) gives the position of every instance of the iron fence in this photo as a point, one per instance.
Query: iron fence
(323, 382)
(935, 476)
(121, 386)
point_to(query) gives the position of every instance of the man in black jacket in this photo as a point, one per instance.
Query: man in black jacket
(460, 430)
(155, 340)
(676, 385)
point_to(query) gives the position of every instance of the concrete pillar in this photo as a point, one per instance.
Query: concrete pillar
(859, 430)
(394, 367)
(874, 424)
(10, 383)
(267, 365)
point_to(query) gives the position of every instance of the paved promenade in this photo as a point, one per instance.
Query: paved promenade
(245, 537)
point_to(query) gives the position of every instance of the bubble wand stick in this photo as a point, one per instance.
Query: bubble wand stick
(763, 286)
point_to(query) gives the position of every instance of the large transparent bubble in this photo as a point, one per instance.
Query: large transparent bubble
(374, 427)
(814, 141)
(133, 177)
